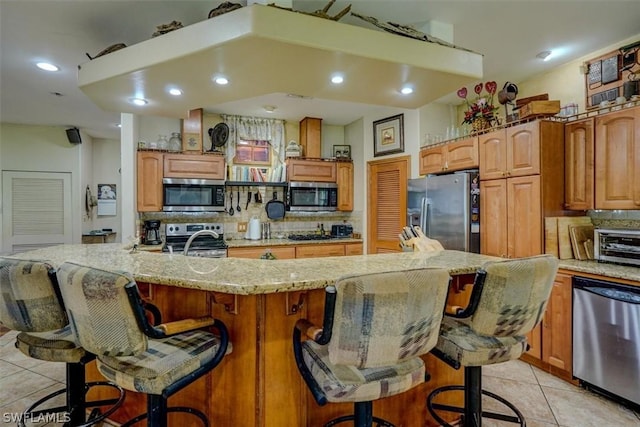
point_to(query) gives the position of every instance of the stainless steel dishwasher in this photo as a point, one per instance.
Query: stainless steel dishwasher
(606, 337)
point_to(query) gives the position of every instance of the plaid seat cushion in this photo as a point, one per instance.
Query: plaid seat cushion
(164, 362)
(344, 383)
(52, 346)
(458, 341)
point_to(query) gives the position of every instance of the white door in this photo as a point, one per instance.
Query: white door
(37, 210)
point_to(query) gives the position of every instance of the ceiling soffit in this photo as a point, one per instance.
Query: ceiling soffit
(263, 50)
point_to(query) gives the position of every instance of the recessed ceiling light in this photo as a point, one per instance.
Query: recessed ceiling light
(406, 90)
(175, 91)
(337, 79)
(47, 66)
(270, 108)
(221, 80)
(545, 55)
(139, 101)
(118, 125)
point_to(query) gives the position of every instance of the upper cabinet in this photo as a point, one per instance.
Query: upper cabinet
(311, 170)
(602, 161)
(310, 137)
(578, 170)
(453, 156)
(149, 181)
(344, 179)
(194, 166)
(617, 160)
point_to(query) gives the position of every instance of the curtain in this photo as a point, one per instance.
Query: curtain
(255, 129)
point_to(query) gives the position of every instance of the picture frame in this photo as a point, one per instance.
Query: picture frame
(388, 135)
(342, 151)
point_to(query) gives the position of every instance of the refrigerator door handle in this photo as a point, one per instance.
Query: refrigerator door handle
(424, 215)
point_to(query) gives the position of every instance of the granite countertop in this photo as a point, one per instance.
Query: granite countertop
(613, 271)
(244, 243)
(249, 276)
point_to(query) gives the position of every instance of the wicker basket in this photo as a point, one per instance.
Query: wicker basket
(479, 124)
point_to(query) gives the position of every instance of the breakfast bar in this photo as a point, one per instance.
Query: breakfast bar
(260, 301)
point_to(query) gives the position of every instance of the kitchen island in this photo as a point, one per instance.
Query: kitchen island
(260, 300)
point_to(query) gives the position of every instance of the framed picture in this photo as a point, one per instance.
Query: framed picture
(342, 151)
(388, 135)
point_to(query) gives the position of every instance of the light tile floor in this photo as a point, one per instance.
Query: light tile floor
(544, 400)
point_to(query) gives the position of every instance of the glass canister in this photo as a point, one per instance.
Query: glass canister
(162, 143)
(175, 142)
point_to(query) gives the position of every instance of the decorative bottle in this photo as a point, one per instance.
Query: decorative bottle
(162, 143)
(175, 142)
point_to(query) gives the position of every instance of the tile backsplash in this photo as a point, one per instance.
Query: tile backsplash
(615, 219)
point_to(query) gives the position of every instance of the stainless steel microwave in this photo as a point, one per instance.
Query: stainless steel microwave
(312, 196)
(192, 195)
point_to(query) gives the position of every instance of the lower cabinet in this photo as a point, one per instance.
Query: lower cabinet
(550, 343)
(301, 251)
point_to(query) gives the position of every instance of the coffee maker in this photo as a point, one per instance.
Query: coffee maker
(152, 232)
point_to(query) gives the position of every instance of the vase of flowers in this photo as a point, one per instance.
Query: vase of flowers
(481, 112)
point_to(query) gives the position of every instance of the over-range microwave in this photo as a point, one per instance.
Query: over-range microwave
(312, 196)
(193, 195)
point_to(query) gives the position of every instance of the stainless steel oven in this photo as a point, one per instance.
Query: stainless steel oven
(193, 195)
(203, 243)
(621, 246)
(312, 196)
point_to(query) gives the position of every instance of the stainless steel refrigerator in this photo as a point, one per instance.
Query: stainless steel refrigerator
(447, 208)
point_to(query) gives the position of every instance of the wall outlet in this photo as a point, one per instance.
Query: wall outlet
(242, 226)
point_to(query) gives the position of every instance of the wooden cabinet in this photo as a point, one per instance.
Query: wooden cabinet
(194, 166)
(617, 160)
(450, 157)
(579, 164)
(149, 181)
(344, 179)
(311, 170)
(522, 166)
(317, 251)
(557, 326)
(353, 249)
(314, 250)
(310, 137)
(280, 252)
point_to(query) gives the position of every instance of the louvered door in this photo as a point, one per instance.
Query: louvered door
(36, 210)
(387, 203)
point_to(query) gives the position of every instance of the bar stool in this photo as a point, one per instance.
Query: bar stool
(507, 301)
(108, 318)
(30, 303)
(375, 328)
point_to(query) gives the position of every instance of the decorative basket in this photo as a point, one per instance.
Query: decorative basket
(479, 124)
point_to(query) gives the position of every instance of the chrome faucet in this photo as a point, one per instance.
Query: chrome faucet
(196, 234)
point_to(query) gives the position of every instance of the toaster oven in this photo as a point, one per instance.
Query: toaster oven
(621, 246)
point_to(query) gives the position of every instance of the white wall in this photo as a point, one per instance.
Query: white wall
(105, 162)
(45, 149)
(330, 136)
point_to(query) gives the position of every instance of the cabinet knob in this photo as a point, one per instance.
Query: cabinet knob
(504, 173)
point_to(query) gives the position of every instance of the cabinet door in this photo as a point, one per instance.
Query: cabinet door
(311, 170)
(493, 211)
(579, 168)
(462, 154)
(524, 216)
(432, 160)
(194, 166)
(353, 249)
(492, 152)
(317, 251)
(310, 137)
(149, 181)
(523, 149)
(344, 177)
(556, 326)
(534, 339)
(618, 160)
